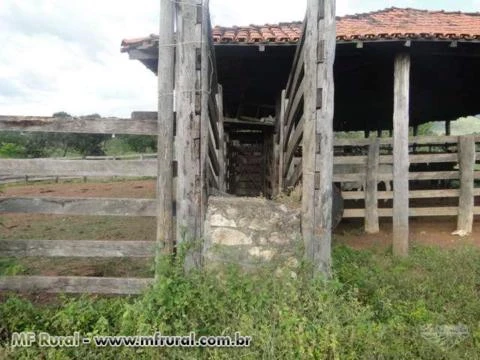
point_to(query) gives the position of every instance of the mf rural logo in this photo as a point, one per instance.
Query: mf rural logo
(445, 336)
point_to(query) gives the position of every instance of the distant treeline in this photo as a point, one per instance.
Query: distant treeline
(38, 145)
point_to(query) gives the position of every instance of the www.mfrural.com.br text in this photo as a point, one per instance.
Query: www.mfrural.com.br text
(43, 339)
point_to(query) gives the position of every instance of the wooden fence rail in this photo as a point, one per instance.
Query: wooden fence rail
(197, 161)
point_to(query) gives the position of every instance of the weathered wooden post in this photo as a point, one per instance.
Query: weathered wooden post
(202, 29)
(320, 42)
(400, 154)
(188, 139)
(466, 160)
(165, 223)
(281, 149)
(371, 193)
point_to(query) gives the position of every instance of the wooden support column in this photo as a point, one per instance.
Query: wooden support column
(203, 77)
(448, 128)
(165, 222)
(400, 154)
(371, 187)
(466, 160)
(188, 137)
(317, 160)
(221, 135)
(281, 150)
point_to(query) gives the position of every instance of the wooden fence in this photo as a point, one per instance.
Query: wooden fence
(436, 163)
(77, 206)
(198, 158)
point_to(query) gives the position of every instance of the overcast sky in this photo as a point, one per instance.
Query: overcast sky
(64, 55)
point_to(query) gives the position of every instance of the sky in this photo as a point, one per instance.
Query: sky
(64, 55)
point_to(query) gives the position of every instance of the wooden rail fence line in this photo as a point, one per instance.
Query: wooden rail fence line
(197, 161)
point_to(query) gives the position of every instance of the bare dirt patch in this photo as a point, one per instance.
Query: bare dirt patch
(60, 227)
(425, 231)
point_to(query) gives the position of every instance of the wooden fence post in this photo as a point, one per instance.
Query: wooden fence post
(466, 160)
(206, 91)
(400, 154)
(188, 136)
(317, 160)
(165, 121)
(371, 187)
(281, 148)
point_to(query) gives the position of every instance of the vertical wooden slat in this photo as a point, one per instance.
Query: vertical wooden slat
(324, 130)
(281, 149)
(221, 134)
(165, 121)
(188, 141)
(318, 134)
(309, 132)
(466, 159)
(371, 194)
(400, 154)
(203, 28)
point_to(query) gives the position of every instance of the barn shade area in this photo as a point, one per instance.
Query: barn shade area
(393, 69)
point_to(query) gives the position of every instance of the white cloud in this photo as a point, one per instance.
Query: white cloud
(65, 55)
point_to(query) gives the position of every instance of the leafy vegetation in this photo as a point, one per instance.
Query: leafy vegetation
(375, 307)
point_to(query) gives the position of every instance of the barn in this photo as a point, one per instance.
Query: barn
(394, 70)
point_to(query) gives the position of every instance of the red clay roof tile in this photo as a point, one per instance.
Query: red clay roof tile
(391, 23)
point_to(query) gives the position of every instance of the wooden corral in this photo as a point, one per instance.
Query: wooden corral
(194, 164)
(270, 126)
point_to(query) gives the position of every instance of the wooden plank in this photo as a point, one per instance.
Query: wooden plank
(212, 153)
(400, 154)
(311, 243)
(413, 194)
(76, 248)
(418, 140)
(434, 175)
(208, 120)
(189, 142)
(52, 167)
(466, 160)
(294, 142)
(388, 159)
(221, 150)
(78, 206)
(413, 212)
(89, 125)
(281, 150)
(324, 103)
(371, 186)
(166, 119)
(296, 66)
(293, 113)
(211, 175)
(213, 118)
(75, 284)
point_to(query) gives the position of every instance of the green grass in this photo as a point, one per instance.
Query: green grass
(375, 307)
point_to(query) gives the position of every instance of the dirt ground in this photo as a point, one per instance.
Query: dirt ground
(426, 231)
(57, 227)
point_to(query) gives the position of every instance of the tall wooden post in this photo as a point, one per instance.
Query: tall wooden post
(221, 135)
(466, 159)
(400, 154)
(203, 82)
(188, 136)
(371, 187)
(320, 42)
(281, 149)
(165, 223)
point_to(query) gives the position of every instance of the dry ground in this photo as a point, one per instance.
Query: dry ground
(56, 227)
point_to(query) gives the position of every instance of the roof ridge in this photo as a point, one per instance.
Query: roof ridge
(394, 8)
(354, 16)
